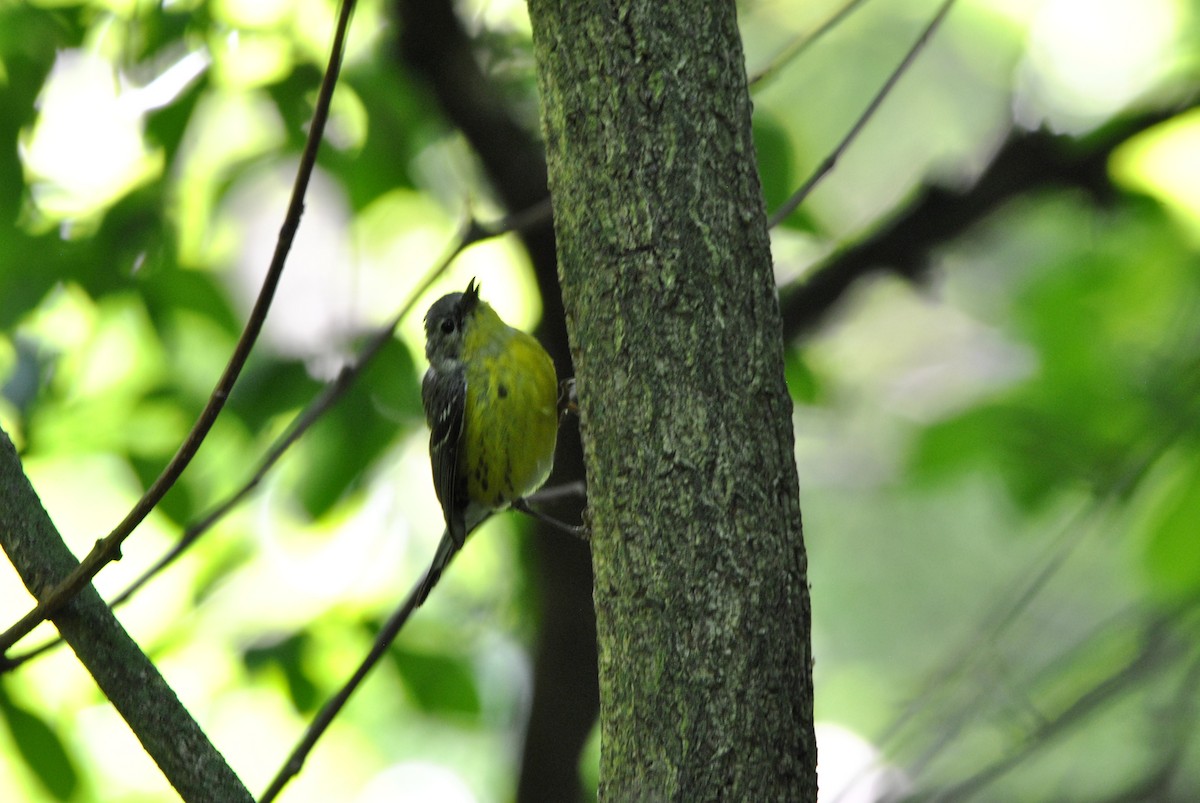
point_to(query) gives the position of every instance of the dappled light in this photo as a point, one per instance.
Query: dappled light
(995, 379)
(75, 172)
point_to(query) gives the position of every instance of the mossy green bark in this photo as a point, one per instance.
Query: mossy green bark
(701, 592)
(122, 671)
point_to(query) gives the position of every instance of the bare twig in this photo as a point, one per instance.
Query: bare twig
(579, 531)
(790, 205)
(557, 493)
(108, 549)
(801, 43)
(386, 635)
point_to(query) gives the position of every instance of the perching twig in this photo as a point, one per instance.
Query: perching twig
(321, 722)
(108, 549)
(387, 634)
(579, 531)
(790, 205)
(557, 493)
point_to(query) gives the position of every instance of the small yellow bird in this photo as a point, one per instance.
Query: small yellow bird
(491, 401)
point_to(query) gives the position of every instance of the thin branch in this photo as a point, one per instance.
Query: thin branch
(557, 493)
(388, 634)
(1158, 651)
(802, 43)
(383, 640)
(831, 160)
(470, 233)
(522, 221)
(108, 549)
(1171, 742)
(1032, 581)
(578, 531)
(1024, 162)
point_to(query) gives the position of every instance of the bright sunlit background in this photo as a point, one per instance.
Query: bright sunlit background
(999, 468)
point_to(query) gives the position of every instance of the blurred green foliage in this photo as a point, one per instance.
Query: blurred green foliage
(41, 748)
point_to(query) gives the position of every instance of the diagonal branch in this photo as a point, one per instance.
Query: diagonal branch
(324, 718)
(122, 671)
(108, 549)
(798, 46)
(830, 161)
(383, 639)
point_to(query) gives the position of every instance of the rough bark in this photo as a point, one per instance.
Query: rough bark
(122, 671)
(701, 597)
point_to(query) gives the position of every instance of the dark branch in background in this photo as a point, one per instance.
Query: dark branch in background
(790, 205)
(122, 671)
(1177, 720)
(472, 232)
(566, 698)
(108, 549)
(1027, 162)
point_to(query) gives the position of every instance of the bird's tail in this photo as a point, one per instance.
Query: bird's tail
(441, 559)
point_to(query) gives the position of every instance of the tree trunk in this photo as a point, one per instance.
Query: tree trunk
(701, 597)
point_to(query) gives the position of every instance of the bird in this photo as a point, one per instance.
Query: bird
(491, 401)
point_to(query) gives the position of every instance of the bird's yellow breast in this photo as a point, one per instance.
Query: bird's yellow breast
(511, 419)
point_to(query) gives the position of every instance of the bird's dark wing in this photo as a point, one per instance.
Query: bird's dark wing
(444, 396)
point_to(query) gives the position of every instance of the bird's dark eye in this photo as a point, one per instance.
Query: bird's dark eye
(447, 326)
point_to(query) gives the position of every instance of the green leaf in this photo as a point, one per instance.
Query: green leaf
(776, 169)
(1110, 322)
(1032, 454)
(1172, 553)
(358, 428)
(269, 387)
(288, 657)
(439, 683)
(44, 753)
(775, 163)
(401, 123)
(802, 383)
(172, 289)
